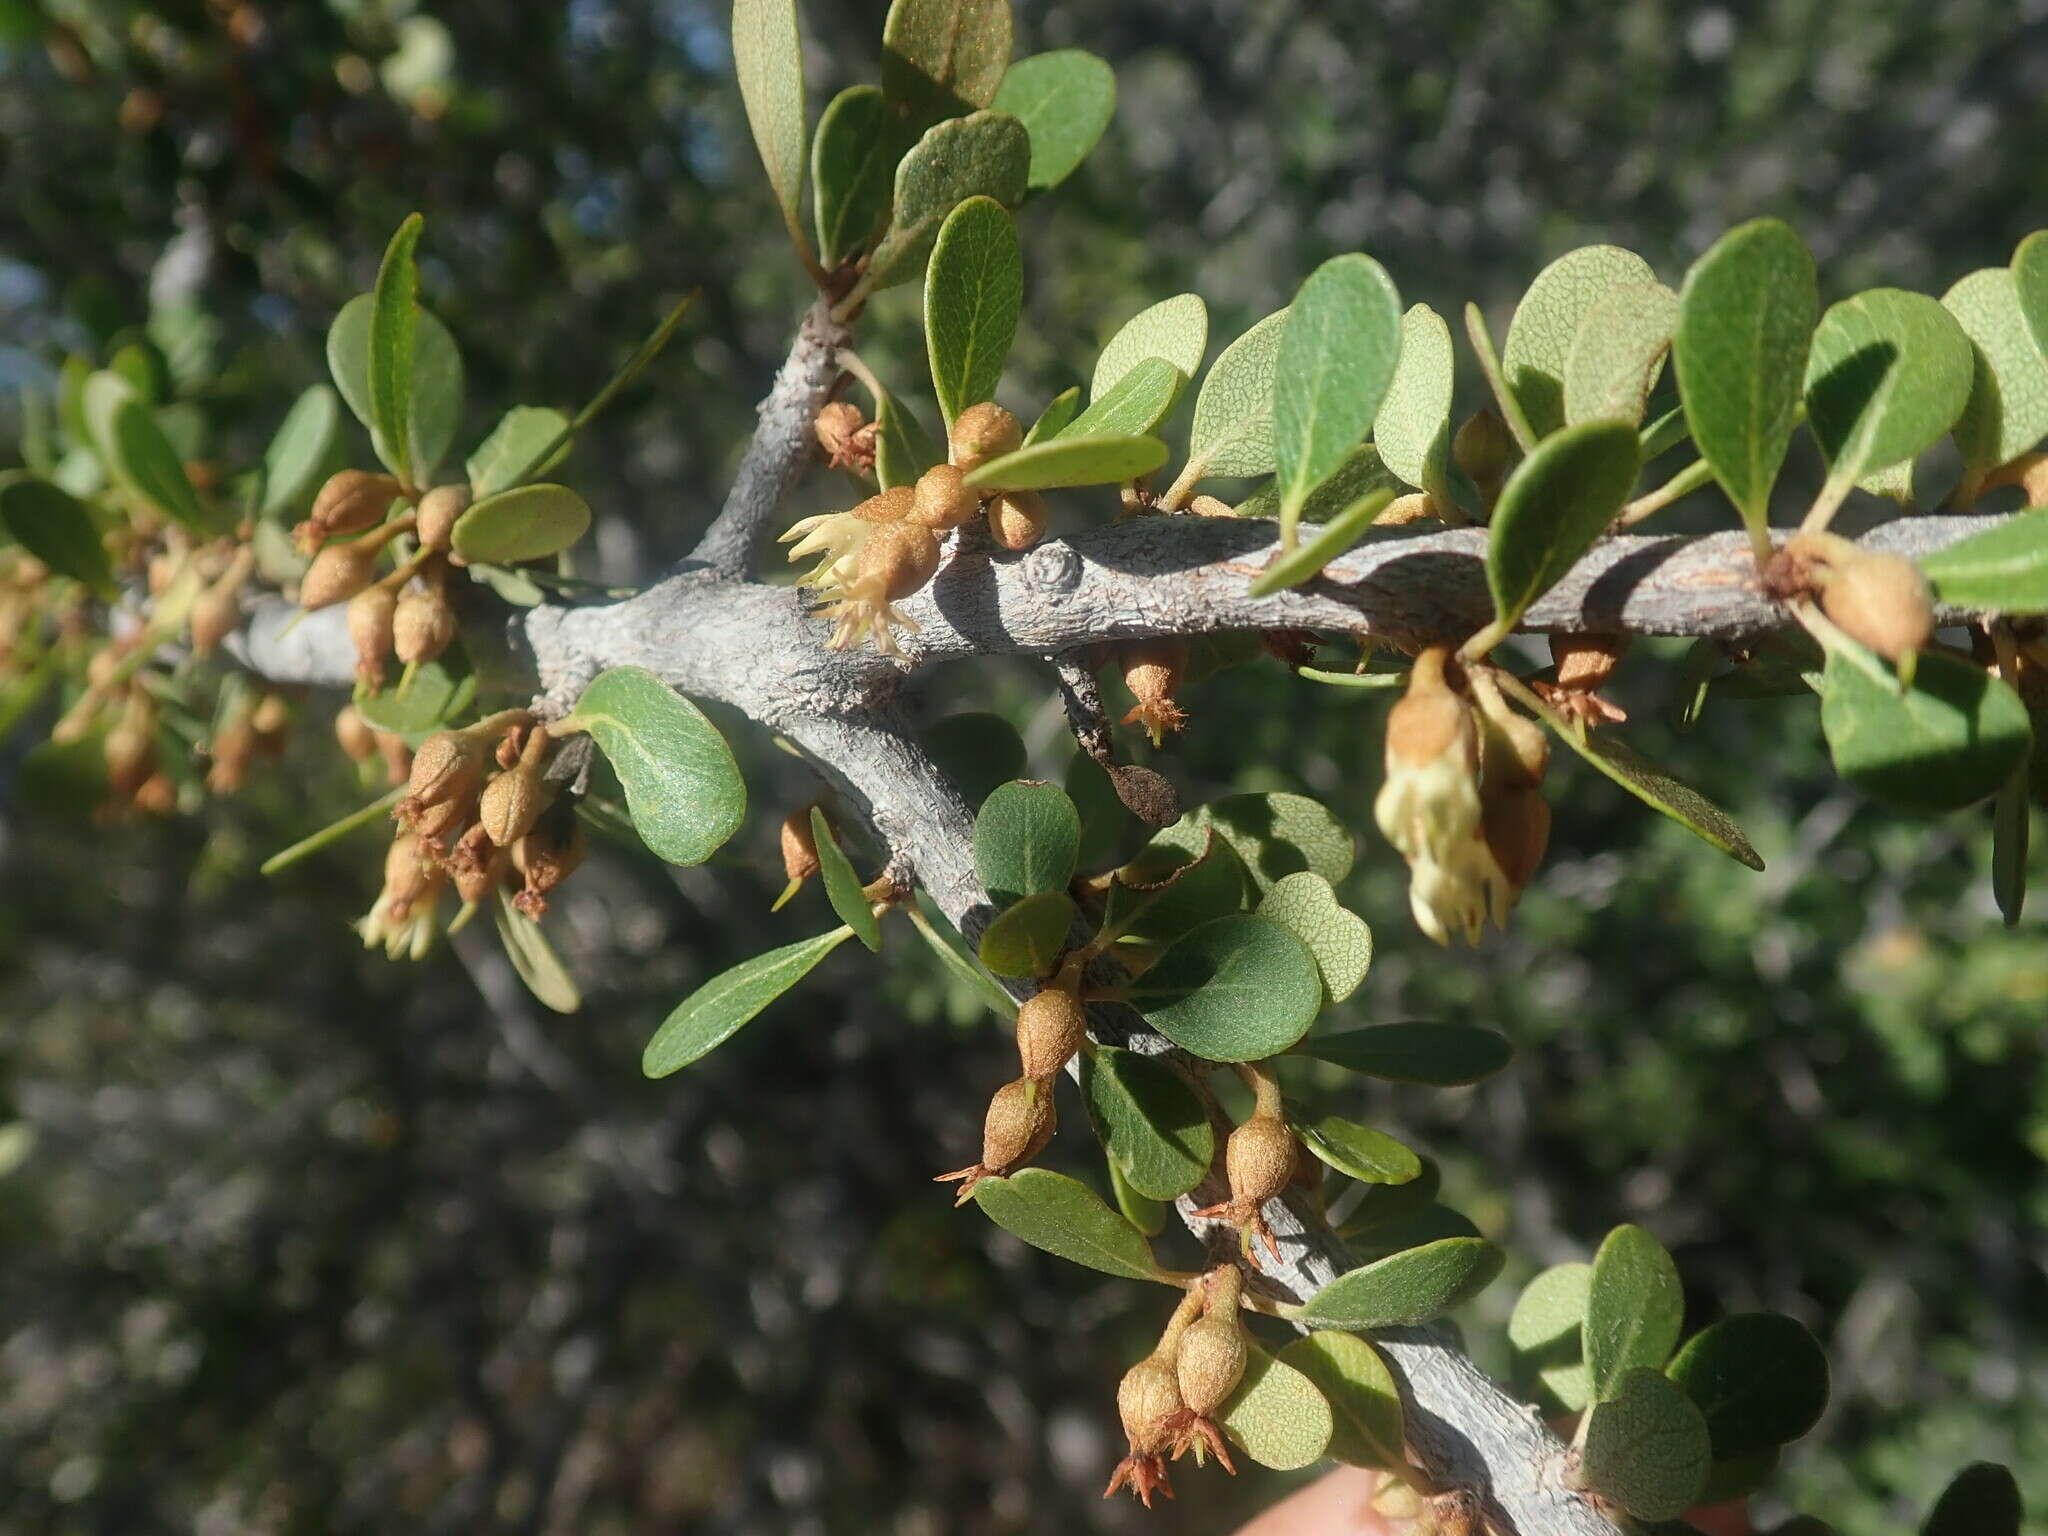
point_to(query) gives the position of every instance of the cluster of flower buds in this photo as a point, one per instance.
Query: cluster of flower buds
(1879, 599)
(1168, 1400)
(478, 814)
(1462, 799)
(879, 553)
(1153, 670)
(405, 613)
(1051, 1026)
(1259, 1159)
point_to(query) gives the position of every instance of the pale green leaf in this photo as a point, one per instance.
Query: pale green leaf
(1411, 1286)
(973, 291)
(532, 957)
(132, 445)
(1233, 426)
(511, 454)
(1950, 740)
(1337, 355)
(985, 154)
(528, 522)
(1307, 907)
(429, 697)
(296, 460)
(1277, 1415)
(2005, 568)
(1547, 322)
(1060, 410)
(1358, 1151)
(1028, 937)
(394, 324)
(436, 380)
(941, 57)
(1065, 100)
(1068, 461)
(767, 54)
(683, 789)
(2030, 285)
(2008, 409)
(1619, 352)
(1305, 562)
(1635, 1308)
(1365, 1402)
(1559, 499)
(712, 1014)
(1067, 1219)
(1139, 401)
(1175, 329)
(1413, 428)
(1357, 477)
(1546, 1340)
(1888, 374)
(853, 172)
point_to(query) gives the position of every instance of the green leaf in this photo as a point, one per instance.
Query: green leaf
(2008, 409)
(1169, 888)
(1358, 476)
(712, 1014)
(1277, 1415)
(683, 789)
(1337, 356)
(1060, 410)
(842, 885)
(1644, 1448)
(1026, 840)
(1559, 499)
(1365, 1403)
(941, 57)
(511, 454)
(1745, 317)
(1504, 400)
(1238, 988)
(903, 449)
(1981, 1500)
(985, 154)
(1413, 427)
(1065, 461)
(1439, 1055)
(2030, 285)
(298, 456)
(437, 692)
(946, 943)
(1141, 1211)
(1950, 740)
(394, 325)
(1154, 1127)
(1545, 1341)
(136, 452)
(1067, 1219)
(1888, 374)
(1549, 319)
(768, 56)
(1619, 352)
(1759, 1378)
(1635, 1308)
(1411, 1286)
(1065, 100)
(977, 751)
(2011, 822)
(1739, 1477)
(1028, 937)
(1304, 904)
(57, 529)
(1275, 834)
(1358, 1151)
(533, 957)
(377, 813)
(2004, 567)
(1233, 427)
(973, 291)
(436, 409)
(853, 172)
(1140, 400)
(1306, 561)
(1175, 330)
(528, 522)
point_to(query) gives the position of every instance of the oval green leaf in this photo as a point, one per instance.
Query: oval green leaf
(1306, 561)
(1981, 1500)
(1546, 1343)
(1888, 374)
(1359, 1152)
(712, 1014)
(1365, 1404)
(533, 957)
(985, 154)
(2008, 409)
(1157, 1133)
(512, 453)
(1760, 1379)
(683, 789)
(2005, 568)
(842, 885)
(528, 522)
(1619, 352)
(1277, 1415)
(1140, 400)
(1175, 330)
(973, 291)
(298, 455)
(1635, 1308)
(940, 57)
(1549, 319)
(1065, 100)
(1068, 1219)
(853, 172)
(767, 56)
(56, 528)
(1413, 427)
(133, 447)
(1239, 988)
(1337, 355)
(435, 693)
(1645, 1448)
(903, 449)
(436, 380)
(1028, 937)
(1064, 461)
(1305, 905)
(1439, 1055)
(1141, 1211)
(1557, 502)
(1950, 740)
(1027, 839)
(394, 324)
(1276, 833)
(1411, 1286)
(1233, 427)
(1745, 317)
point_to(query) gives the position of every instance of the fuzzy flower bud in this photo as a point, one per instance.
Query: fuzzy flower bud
(1153, 670)
(980, 433)
(349, 503)
(1017, 519)
(370, 616)
(942, 499)
(1020, 1121)
(219, 607)
(1210, 1364)
(1050, 1028)
(512, 802)
(353, 734)
(1881, 600)
(423, 623)
(440, 508)
(339, 572)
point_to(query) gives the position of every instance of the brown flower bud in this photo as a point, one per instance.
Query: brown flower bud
(847, 437)
(1259, 1159)
(1881, 600)
(439, 510)
(897, 559)
(219, 608)
(408, 875)
(445, 773)
(396, 754)
(354, 735)
(423, 623)
(339, 572)
(130, 752)
(270, 716)
(1017, 519)
(371, 613)
(513, 800)
(799, 846)
(1020, 1121)
(156, 795)
(477, 867)
(1050, 1028)
(1148, 1401)
(1153, 669)
(1211, 506)
(890, 506)
(231, 748)
(547, 856)
(980, 433)
(942, 500)
(350, 502)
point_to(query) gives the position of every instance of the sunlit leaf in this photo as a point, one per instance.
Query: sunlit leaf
(1068, 1219)
(1618, 353)
(1067, 461)
(767, 55)
(940, 57)
(1155, 1128)
(1412, 1286)
(1305, 905)
(711, 1015)
(1337, 355)
(985, 154)
(1365, 1403)
(1028, 937)
(842, 885)
(1559, 499)
(1549, 319)
(1953, 738)
(1645, 1447)
(1238, 988)
(1065, 100)
(1413, 428)
(1635, 1308)
(683, 789)
(1277, 1415)
(2005, 568)
(1027, 839)
(1546, 1342)
(973, 291)
(2008, 409)
(1175, 330)
(528, 522)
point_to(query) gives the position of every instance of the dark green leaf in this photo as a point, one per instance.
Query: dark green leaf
(2010, 825)
(1277, 1415)
(903, 449)
(951, 950)
(1277, 833)
(1168, 888)
(436, 693)
(767, 55)
(942, 57)
(1412, 1286)
(1759, 1378)
(1028, 937)
(1635, 1308)
(1504, 399)
(1619, 353)
(1549, 319)
(1304, 904)
(1645, 1448)
(1068, 1219)
(853, 172)
(1306, 561)
(1065, 100)
(683, 789)
(1358, 1151)
(1982, 1500)
(1557, 502)
(394, 323)
(1888, 375)
(297, 458)
(842, 885)
(1026, 840)
(57, 529)
(1337, 356)
(1238, 988)
(1359, 475)
(528, 522)
(985, 154)
(1365, 1403)
(1140, 400)
(1155, 1128)
(512, 453)
(1066, 461)
(1545, 1341)
(2004, 567)
(973, 291)
(2008, 409)
(1440, 1055)
(977, 751)
(1950, 740)
(136, 452)
(712, 1014)
(1745, 317)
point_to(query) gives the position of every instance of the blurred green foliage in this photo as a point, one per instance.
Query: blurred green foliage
(298, 1240)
